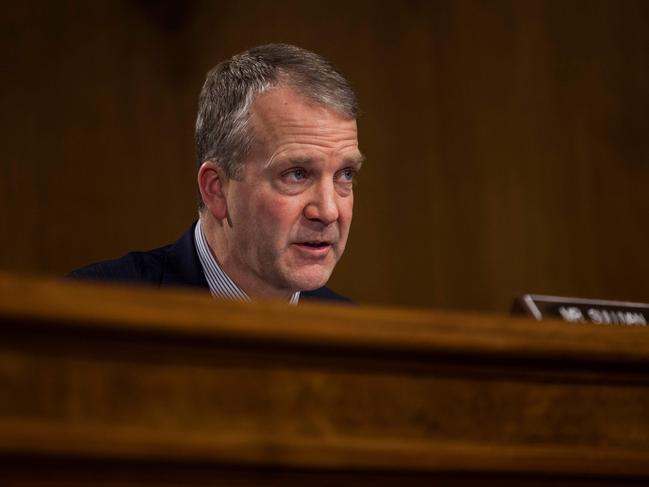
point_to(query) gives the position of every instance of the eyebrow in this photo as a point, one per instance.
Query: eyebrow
(355, 160)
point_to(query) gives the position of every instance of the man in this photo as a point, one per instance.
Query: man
(277, 153)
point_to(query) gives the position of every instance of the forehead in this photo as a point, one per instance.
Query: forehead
(281, 114)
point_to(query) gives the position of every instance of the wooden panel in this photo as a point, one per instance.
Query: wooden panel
(98, 376)
(506, 140)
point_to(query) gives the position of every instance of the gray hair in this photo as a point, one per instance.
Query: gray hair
(223, 132)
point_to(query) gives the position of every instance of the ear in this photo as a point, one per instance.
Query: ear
(213, 185)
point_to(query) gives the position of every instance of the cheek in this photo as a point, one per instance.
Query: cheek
(277, 214)
(346, 212)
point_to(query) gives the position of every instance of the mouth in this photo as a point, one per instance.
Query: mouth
(314, 248)
(317, 244)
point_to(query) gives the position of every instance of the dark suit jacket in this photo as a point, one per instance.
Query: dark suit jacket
(173, 265)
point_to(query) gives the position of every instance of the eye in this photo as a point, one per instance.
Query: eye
(346, 175)
(295, 175)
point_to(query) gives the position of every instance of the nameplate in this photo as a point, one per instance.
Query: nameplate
(576, 310)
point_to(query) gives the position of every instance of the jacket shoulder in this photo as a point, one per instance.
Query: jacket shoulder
(325, 294)
(143, 267)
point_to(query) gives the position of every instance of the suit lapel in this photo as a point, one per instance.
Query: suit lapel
(181, 266)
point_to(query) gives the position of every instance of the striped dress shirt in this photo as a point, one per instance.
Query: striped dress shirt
(221, 286)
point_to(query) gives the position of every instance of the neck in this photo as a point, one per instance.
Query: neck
(222, 251)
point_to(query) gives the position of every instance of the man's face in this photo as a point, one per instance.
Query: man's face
(289, 215)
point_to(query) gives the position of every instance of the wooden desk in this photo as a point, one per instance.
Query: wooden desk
(116, 386)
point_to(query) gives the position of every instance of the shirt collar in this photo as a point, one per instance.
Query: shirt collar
(220, 284)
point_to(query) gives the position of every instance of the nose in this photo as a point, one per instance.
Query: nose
(323, 204)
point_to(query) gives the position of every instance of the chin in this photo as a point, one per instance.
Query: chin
(310, 279)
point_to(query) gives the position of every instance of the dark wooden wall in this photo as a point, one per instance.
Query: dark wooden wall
(506, 140)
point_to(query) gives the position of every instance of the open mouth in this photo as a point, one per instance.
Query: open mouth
(315, 245)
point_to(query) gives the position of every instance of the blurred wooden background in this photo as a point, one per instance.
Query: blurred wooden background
(506, 139)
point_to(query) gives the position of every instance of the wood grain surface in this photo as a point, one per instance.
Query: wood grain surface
(173, 385)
